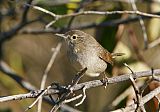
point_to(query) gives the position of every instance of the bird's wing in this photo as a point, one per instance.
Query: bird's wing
(106, 56)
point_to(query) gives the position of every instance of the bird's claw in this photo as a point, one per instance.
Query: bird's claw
(105, 82)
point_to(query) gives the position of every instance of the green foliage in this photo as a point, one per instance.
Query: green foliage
(5, 110)
(59, 9)
(108, 34)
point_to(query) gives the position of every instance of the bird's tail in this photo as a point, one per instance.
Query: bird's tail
(114, 55)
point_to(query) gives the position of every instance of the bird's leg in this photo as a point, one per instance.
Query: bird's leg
(105, 79)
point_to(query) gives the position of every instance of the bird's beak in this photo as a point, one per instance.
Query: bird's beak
(61, 35)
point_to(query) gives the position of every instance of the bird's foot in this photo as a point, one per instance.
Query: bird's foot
(105, 80)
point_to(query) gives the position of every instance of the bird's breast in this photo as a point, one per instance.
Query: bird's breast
(87, 58)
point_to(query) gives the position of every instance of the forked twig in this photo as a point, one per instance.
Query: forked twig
(88, 85)
(137, 91)
(57, 17)
(39, 96)
(84, 97)
(69, 90)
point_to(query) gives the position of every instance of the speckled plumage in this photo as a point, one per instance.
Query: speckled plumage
(85, 51)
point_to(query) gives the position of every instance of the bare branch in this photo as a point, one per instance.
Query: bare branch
(26, 85)
(73, 99)
(134, 7)
(89, 84)
(92, 25)
(109, 13)
(10, 33)
(80, 8)
(69, 90)
(44, 78)
(57, 17)
(137, 91)
(78, 76)
(25, 12)
(38, 98)
(154, 78)
(144, 100)
(84, 97)
(125, 94)
(4, 68)
(154, 43)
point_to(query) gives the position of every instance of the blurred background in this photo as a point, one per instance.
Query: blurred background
(28, 50)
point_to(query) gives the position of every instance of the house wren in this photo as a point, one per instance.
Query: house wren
(85, 52)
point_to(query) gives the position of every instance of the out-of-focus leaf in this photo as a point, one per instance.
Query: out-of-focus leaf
(15, 61)
(72, 5)
(5, 110)
(122, 48)
(122, 103)
(51, 2)
(60, 10)
(154, 25)
(107, 34)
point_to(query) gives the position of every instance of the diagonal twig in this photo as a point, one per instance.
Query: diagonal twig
(69, 90)
(144, 100)
(25, 12)
(145, 37)
(4, 68)
(84, 97)
(44, 78)
(137, 91)
(38, 98)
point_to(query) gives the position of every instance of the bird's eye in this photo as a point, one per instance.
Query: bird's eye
(74, 37)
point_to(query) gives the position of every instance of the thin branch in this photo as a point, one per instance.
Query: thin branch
(136, 90)
(73, 99)
(51, 23)
(144, 100)
(145, 37)
(4, 68)
(137, 1)
(110, 23)
(69, 90)
(78, 76)
(109, 13)
(154, 43)
(146, 84)
(89, 84)
(38, 98)
(84, 97)
(13, 31)
(25, 12)
(57, 17)
(81, 6)
(125, 94)
(44, 78)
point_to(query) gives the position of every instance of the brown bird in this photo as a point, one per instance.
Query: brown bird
(85, 52)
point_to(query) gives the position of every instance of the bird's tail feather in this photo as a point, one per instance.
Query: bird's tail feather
(114, 55)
